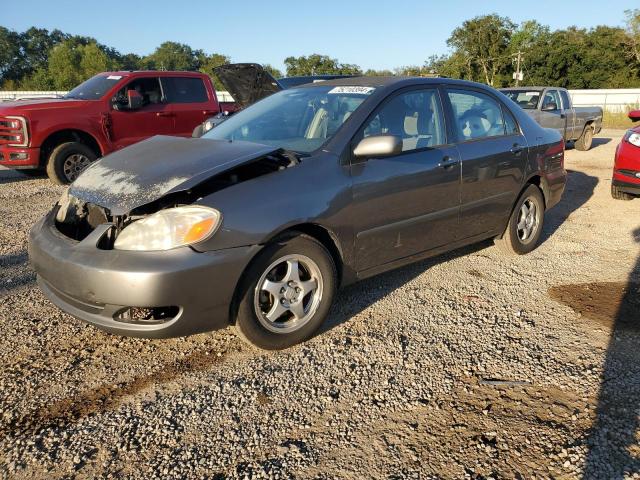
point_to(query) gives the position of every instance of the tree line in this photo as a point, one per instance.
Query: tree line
(484, 49)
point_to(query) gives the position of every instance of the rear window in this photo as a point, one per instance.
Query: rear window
(184, 90)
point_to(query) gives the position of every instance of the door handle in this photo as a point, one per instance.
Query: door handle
(165, 114)
(517, 149)
(447, 162)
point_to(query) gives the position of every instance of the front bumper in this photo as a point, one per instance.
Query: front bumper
(19, 157)
(626, 187)
(94, 285)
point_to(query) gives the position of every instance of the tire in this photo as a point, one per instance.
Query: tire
(586, 139)
(618, 194)
(515, 240)
(267, 320)
(67, 161)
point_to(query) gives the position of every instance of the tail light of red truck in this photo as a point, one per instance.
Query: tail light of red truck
(13, 131)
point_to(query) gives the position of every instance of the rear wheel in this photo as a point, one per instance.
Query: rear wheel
(524, 229)
(286, 293)
(619, 194)
(585, 140)
(68, 160)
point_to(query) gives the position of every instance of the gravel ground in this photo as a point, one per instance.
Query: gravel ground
(469, 365)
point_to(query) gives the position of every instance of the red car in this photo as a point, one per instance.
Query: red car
(625, 184)
(106, 113)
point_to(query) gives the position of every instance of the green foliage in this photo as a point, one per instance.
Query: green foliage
(275, 73)
(483, 49)
(485, 42)
(318, 65)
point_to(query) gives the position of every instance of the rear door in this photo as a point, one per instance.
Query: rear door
(493, 152)
(408, 203)
(153, 118)
(189, 103)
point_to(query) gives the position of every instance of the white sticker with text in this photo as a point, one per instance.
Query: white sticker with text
(114, 77)
(357, 90)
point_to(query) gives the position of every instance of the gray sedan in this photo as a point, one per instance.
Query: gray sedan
(257, 223)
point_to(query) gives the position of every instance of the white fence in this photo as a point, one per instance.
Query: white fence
(613, 100)
(8, 96)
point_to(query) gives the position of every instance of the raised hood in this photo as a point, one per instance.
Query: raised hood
(247, 82)
(149, 170)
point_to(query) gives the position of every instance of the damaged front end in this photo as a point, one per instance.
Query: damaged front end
(77, 217)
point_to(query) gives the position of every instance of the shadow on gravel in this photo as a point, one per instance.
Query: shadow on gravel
(103, 398)
(12, 176)
(613, 446)
(12, 273)
(357, 297)
(579, 190)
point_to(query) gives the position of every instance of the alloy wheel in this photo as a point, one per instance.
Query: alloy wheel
(73, 165)
(288, 293)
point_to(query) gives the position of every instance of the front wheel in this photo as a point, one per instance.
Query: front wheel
(618, 194)
(524, 229)
(67, 161)
(286, 293)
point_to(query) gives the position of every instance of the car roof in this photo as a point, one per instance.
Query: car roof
(155, 72)
(506, 89)
(366, 81)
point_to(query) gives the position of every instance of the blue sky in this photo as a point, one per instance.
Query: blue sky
(372, 34)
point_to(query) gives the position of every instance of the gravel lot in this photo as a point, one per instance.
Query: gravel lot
(471, 365)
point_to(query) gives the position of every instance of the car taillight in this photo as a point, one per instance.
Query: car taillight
(13, 131)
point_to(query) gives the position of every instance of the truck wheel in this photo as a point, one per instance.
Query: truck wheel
(67, 161)
(525, 224)
(286, 293)
(584, 142)
(618, 194)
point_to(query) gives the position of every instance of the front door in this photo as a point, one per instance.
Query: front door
(407, 203)
(493, 152)
(551, 113)
(153, 118)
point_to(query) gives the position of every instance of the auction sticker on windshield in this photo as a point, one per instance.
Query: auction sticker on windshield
(357, 90)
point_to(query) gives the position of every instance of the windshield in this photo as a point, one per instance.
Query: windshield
(300, 119)
(94, 88)
(527, 99)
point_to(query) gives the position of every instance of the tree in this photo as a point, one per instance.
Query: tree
(318, 65)
(484, 41)
(9, 55)
(632, 42)
(275, 73)
(172, 56)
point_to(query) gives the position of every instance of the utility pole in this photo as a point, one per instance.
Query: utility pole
(518, 75)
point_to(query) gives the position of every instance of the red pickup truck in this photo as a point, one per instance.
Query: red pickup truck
(107, 112)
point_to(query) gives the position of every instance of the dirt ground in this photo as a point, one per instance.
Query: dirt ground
(469, 365)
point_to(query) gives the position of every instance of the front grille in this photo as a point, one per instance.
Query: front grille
(13, 131)
(77, 219)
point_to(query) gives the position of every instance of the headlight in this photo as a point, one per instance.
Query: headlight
(170, 228)
(208, 125)
(633, 138)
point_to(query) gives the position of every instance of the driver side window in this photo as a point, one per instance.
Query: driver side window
(551, 97)
(148, 88)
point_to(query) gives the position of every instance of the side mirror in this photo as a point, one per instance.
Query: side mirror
(134, 100)
(549, 107)
(378, 146)
(634, 115)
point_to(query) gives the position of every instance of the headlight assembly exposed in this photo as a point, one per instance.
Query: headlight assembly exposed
(170, 228)
(633, 138)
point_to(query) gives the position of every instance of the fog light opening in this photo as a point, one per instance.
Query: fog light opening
(147, 315)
